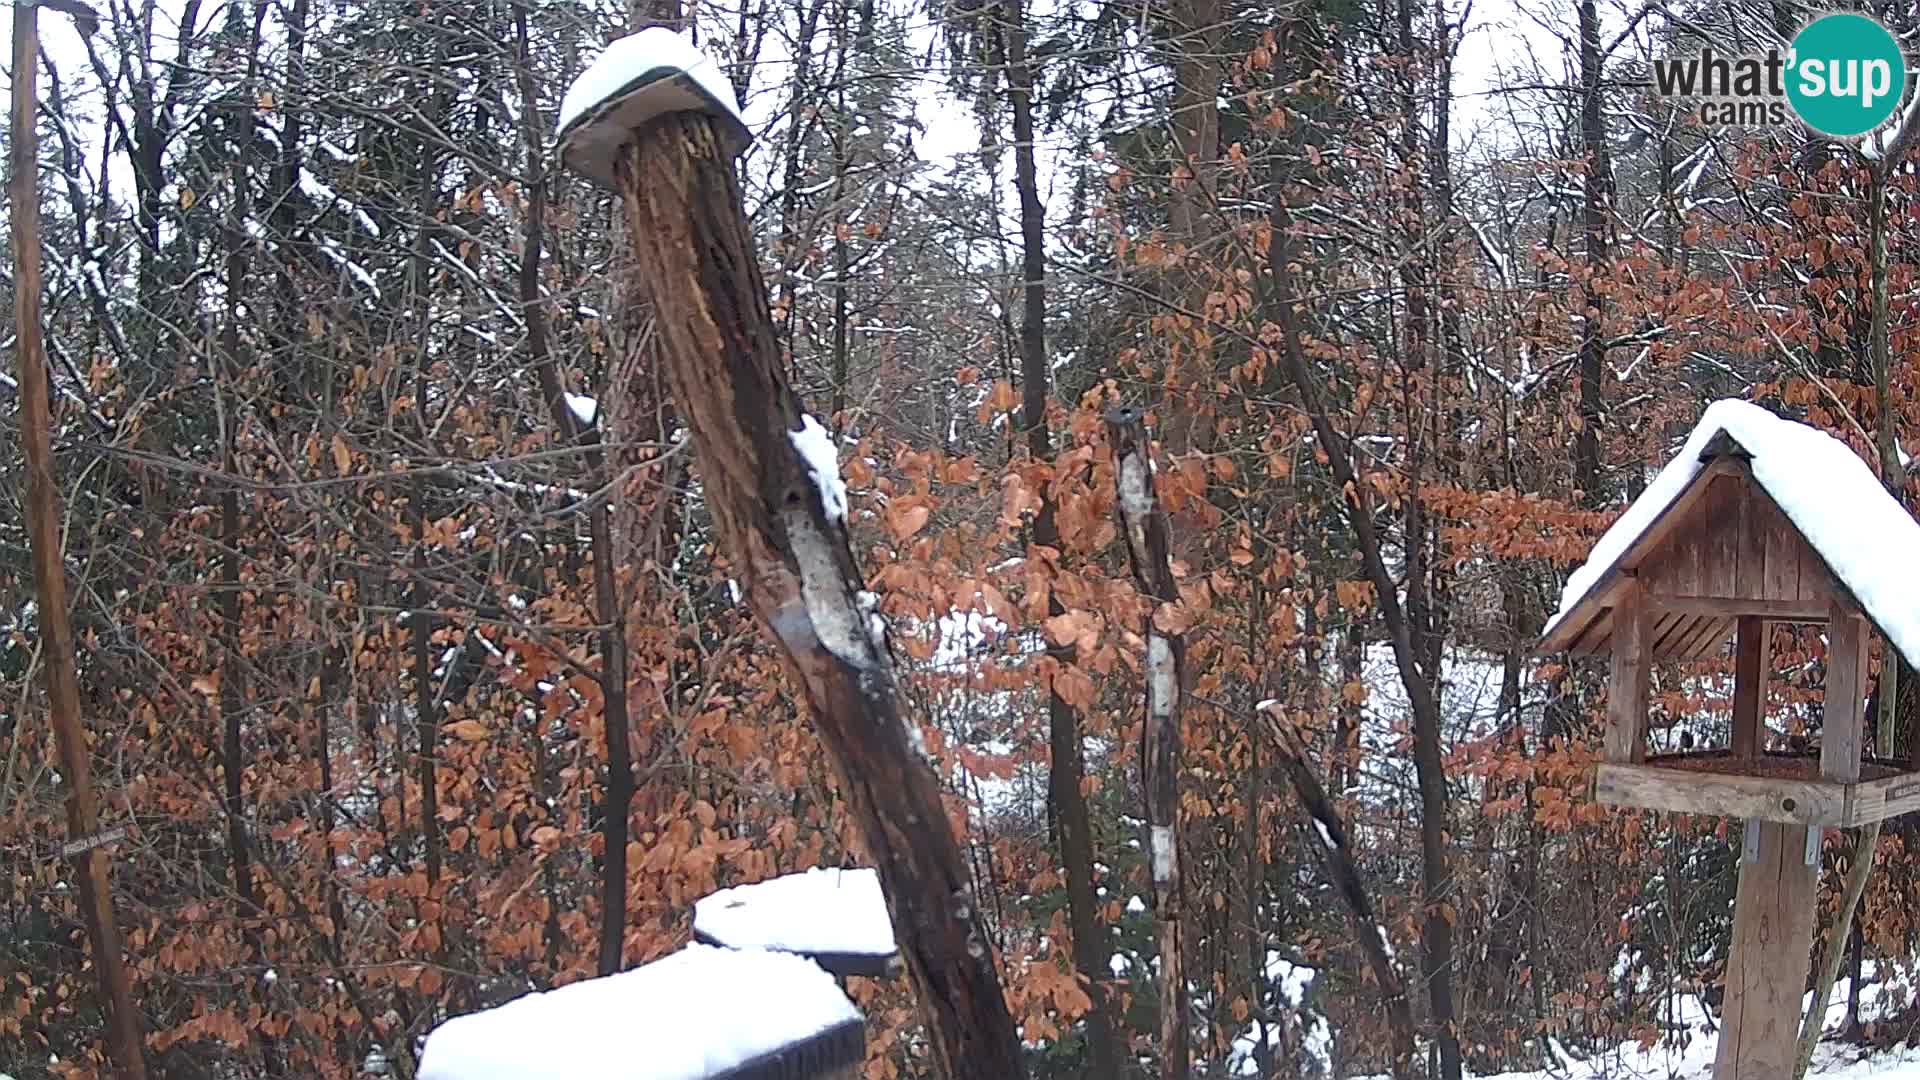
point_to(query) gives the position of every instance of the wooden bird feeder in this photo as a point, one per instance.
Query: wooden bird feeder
(1759, 520)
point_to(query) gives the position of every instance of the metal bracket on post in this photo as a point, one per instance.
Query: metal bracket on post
(1816, 835)
(1750, 844)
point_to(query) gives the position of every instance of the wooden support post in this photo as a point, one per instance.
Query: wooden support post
(1767, 963)
(1632, 674)
(771, 481)
(1751, 666)
(1843, 723)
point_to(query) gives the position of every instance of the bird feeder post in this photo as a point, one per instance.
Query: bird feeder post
(1750, 666)
(1767, 959)
(1631, 676)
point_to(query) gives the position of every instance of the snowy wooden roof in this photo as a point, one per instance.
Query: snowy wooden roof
(1756, 516)
(836, 917)
(702, 1013)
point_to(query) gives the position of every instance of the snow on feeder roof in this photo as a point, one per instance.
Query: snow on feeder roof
(1862, 537)
(636, 79)
(702, 1013)
(836, 917)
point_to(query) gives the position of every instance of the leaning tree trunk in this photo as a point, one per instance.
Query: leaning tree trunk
(84, 843)
(1336, 850)
(1149, 548)
(773, 487)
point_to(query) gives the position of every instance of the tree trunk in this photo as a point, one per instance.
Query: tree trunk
(1866, 843)
(1149, 550)
(609, 609)
(779, 514)
(1335, 850)
(91, 881)
(1596, 191)
(1436, 873)
(1067, 771)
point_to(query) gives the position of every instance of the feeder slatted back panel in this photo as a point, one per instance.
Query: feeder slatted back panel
(1736, 545)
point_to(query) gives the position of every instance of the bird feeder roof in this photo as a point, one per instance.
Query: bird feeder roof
(1862, 538)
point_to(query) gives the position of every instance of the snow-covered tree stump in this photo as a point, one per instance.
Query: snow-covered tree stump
(770, 477)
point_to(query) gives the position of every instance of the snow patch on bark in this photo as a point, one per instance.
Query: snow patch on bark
(1162, 845)
(831, 609)
(1136, 499)
(1163, 683)
(816, 448)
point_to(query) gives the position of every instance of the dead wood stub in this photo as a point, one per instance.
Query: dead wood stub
(1149, 548)
(694, 254)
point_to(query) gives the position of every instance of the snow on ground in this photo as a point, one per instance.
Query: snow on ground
(1694, 1061)
(686, 1016)
(1826, 490)
(821, 911)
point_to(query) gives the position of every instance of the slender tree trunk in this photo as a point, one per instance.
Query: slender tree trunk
(1336, 851)
(93, 886)
(1597, 189)
(1866, 843)
(1893, 474)
(1198, 65)
(1065, 780)
(233, 681)
(1436, 872)
(609, 607)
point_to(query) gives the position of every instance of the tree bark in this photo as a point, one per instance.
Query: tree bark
(1067, 770)
(1596, 191)
(782, 525)
(92, 883)
(1149, 550)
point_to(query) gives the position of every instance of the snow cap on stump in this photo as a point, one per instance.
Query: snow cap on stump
(636, 79)
(699, 1014)
(838, 918)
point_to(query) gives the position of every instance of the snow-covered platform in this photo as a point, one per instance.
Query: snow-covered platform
(836, 917)
(702, 1013)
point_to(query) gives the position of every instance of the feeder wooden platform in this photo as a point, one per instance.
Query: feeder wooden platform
(1786, 788)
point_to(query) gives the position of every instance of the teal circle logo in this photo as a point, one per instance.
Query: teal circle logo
(1845, 75)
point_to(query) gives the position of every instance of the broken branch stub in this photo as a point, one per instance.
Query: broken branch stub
(771, 481)
(1149, 551)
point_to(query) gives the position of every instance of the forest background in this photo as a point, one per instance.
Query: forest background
(413, 671)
